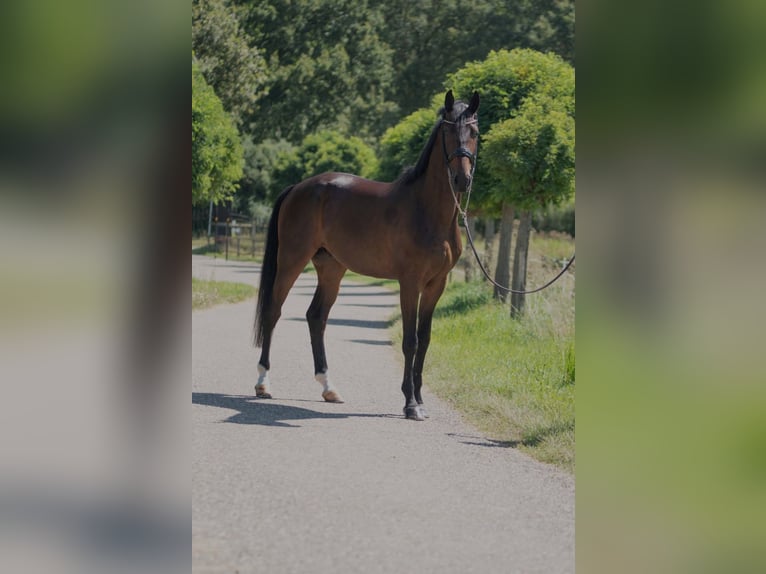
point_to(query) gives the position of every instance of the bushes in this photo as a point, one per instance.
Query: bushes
(318, 153)
(402, 144)
(555, 218)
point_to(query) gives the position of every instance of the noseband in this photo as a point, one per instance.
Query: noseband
(461, 151)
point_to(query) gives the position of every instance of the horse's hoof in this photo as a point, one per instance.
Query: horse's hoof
(414, 413)
(332, 397)
(423, 411)
(262, 393)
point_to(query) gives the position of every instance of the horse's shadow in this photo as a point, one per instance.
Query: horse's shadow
(252, 411)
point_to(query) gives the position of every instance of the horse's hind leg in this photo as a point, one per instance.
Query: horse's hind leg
(329, 274)
(290, 266)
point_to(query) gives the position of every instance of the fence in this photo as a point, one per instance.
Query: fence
(236, 238)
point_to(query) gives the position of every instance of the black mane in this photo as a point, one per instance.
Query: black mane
(412, 173)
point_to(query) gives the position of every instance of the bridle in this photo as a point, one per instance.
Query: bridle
(462, 151)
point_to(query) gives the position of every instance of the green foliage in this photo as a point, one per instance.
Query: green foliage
(261, 212)
(322, 152)
(431, 39)
(334, 151)
(216, 150)
(506, 80)
(555, 218)
(551, 27)
(533, 153)
(263, 163)
(235, 70)
(402, 144)
(328, 67)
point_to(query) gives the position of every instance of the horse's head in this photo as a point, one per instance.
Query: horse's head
(460, 137)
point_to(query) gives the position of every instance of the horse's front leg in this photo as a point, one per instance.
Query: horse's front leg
(409, 303)
(431, 295)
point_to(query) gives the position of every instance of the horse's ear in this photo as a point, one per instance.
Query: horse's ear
(449, 101)
(474, 104)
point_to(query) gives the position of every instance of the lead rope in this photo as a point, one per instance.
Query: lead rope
(464, 215)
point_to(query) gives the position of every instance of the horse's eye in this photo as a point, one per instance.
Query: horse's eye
(474, 135)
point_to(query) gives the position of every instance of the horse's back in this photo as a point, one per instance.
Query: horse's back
(348, 215)
(346, 184)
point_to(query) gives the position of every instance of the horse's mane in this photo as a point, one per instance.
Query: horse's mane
(410, 174)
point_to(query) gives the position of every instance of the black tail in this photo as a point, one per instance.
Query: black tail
(268, 270)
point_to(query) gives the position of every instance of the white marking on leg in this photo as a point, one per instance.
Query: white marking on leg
(263, 385)
(324, 380)
(328, 393)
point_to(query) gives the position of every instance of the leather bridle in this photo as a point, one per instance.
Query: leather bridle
(461, 151)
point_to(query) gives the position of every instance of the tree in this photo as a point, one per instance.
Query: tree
(263, 161)
(432, 38)
(534, 152)
(506, 79)
(551, 27)
(235, 70)
(328, 68)
(322, 152)
(402, 144)
(216, 150)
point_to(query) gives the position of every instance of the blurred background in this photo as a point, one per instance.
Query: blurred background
(671, 175)
(94, 352)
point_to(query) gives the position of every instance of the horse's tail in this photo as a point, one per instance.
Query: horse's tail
(268, 270)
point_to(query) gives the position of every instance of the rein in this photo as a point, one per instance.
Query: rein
(464, 152)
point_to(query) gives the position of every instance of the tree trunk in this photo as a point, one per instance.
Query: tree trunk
(489, 243)
(469, 260)
(520, 264)
(503, 272)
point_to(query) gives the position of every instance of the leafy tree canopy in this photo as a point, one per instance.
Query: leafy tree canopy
(534, 154)
(328, 67)
(235, 69)
(263, 161)
(432, 38)
(216, 150)
(505, 80)
(402, 144)
(322, 152)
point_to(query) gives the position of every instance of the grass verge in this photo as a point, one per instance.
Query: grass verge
(208, 293)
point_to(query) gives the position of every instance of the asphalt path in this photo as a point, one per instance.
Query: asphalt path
(294, 484)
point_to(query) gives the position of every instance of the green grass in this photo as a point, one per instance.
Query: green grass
(209, 293)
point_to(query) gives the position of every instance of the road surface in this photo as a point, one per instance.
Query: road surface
(294, 484)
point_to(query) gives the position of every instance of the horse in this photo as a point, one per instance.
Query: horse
(406, 230)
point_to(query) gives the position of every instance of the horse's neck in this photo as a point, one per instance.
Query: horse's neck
(434, 193)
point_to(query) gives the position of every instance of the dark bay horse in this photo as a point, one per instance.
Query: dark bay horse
(406, 230)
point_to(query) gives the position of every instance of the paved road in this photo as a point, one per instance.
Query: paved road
(295, 484)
